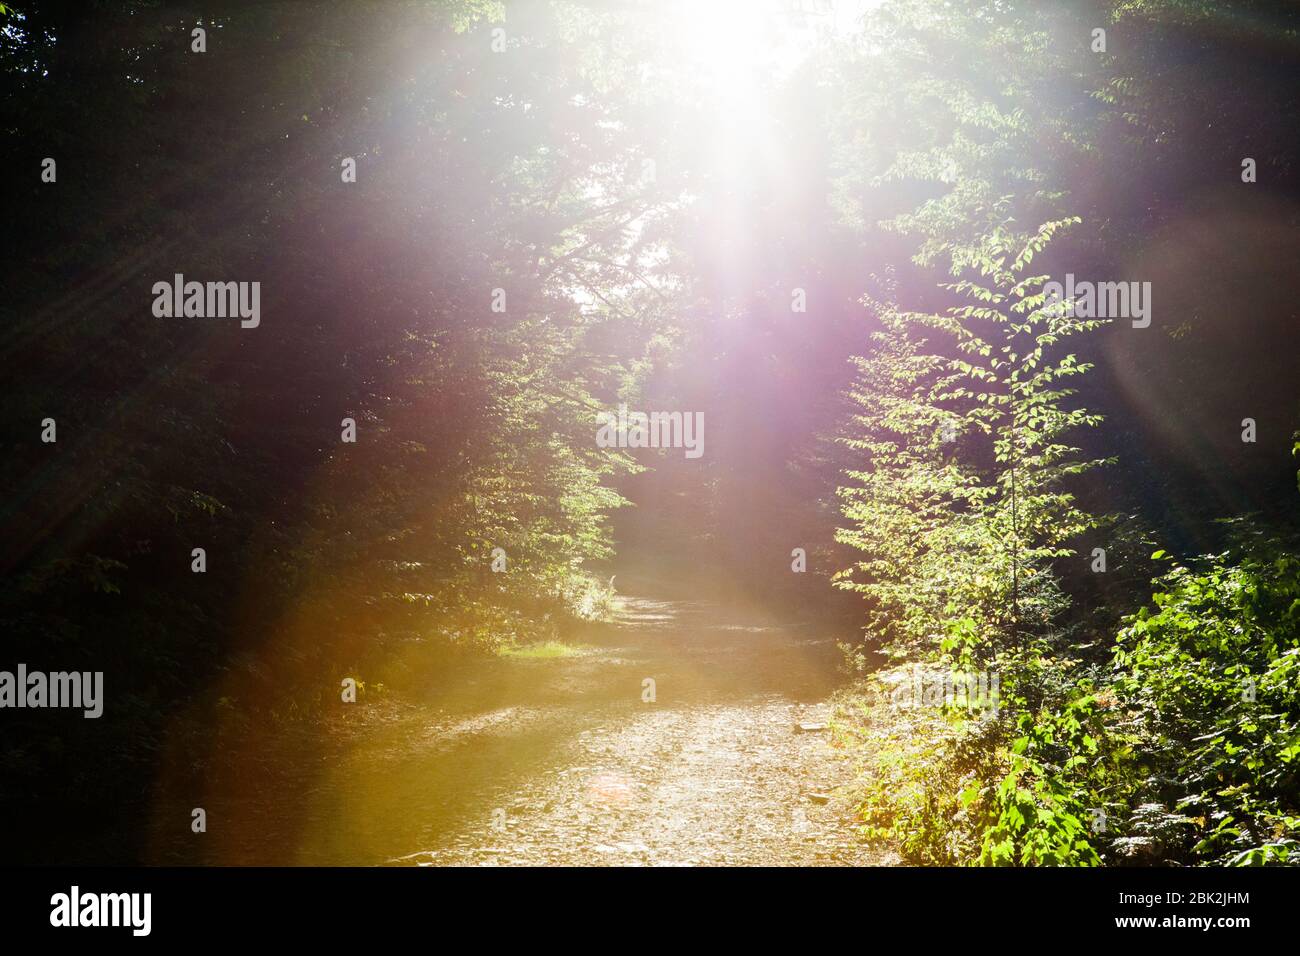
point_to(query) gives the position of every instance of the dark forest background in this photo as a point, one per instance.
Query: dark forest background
(526, 171)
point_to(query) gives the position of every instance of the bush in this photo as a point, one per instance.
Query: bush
(1186, 750)
(1211, 681)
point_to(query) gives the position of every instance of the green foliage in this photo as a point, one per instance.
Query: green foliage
(958, 533)
(475, 428)
(1186, 749)
(1210, 680)
(1040, 809)
(918, 773)
(953, 123)
(961, 128)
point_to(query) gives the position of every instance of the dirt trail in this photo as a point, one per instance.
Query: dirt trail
(713, 771)
(561, 761)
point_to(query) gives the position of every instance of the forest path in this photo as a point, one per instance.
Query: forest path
(560, 760)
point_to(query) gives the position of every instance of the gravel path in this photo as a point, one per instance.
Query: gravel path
(566, 760)
(713, 771)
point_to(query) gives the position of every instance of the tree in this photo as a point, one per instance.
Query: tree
(963, 500)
